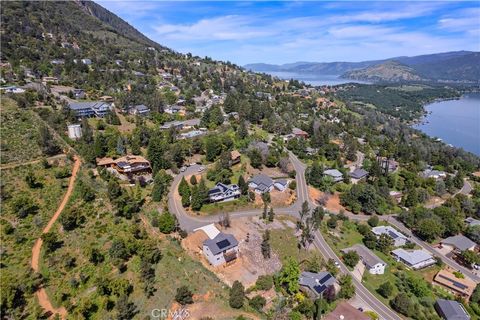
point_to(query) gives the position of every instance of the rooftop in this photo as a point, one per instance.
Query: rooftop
(262, 179)
(393, 233)
(210, 230)
(367, 256)
(472, 221)
(460, 242)
(412, 257)
(449, 280)
(358, 173)
(316, 281)
(333, 173)
(345, 311)
(221, 243)
(452, 310)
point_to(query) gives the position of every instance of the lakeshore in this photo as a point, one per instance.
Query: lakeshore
(454, 121)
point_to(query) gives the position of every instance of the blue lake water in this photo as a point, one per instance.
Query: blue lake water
(456, 122)
(314, 79)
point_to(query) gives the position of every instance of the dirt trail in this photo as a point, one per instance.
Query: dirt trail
(41, 293)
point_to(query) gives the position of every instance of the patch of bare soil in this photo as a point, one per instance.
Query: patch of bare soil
(332, 201)
(250, 264)
(278, 198)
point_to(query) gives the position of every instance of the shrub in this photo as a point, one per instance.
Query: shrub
(264, 282)
(237, 295)
(166, 223)
(184, 295)
(351, 258)
(385, 289)
(257, 302)
(373, 221)
(293, 185)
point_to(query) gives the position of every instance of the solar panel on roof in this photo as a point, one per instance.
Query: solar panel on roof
(325, 278)
(223, 244)
(455, 283)
(392, 234)
(319, 289)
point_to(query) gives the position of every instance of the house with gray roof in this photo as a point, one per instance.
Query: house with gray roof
(90, 108)
(221, 249)
(415, 259)
(451, 310)
(141, 110)
(224, 192)
(399, 239)
(315, 283)
(358, 174)
(336, 175)
(471, 222)
(434, 174)
(261, 183)
(459, 243)
(372, 262)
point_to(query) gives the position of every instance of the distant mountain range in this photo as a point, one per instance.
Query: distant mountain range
(457, 66)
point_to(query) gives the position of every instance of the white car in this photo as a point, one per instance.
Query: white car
(337, 264)
(201, 169)
(182, 169)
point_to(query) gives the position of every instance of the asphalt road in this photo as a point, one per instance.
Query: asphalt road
(188, 223)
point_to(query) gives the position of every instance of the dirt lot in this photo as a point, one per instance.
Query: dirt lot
(333, 200)
(250, 264)
(271, 172)
(279, 198)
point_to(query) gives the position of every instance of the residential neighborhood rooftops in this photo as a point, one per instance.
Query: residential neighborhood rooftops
(222, 242)
(451, 310)
(412, 257)
(345, 311)
(390, 231)
(462, 286)
(367, 256)
(460, 242)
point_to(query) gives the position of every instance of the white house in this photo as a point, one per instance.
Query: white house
(415, 259)
(399, 239)
(221, 249)
(372, 263)
(281, 184)
(74, 131)
(223, 192)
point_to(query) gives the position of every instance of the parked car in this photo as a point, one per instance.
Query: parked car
(201, 169)
(182, 169)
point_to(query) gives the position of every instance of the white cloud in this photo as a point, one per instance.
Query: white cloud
(231, 27)
(365, 32)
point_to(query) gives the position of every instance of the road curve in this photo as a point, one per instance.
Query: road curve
(189, 222)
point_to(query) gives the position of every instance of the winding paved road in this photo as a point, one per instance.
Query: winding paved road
(188, 223)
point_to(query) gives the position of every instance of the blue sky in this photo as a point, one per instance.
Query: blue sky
(283, 32)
